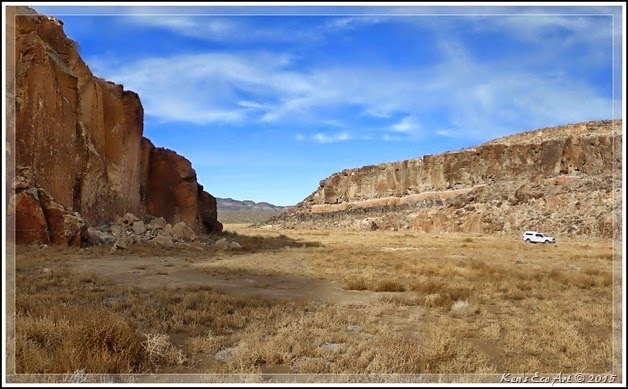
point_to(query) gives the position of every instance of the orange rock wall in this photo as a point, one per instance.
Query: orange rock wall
(81, 136)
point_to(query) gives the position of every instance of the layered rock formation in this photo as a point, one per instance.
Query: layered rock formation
(81, 136)
(566, 180)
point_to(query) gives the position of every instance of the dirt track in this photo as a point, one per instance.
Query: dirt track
(182, 272)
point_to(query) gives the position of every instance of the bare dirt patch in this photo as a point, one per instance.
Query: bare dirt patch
(177, 271)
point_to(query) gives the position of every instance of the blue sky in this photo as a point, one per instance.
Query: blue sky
(267, 101)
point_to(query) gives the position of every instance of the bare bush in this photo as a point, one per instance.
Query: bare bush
(160, 351)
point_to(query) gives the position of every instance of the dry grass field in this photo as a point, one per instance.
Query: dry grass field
(318, 306)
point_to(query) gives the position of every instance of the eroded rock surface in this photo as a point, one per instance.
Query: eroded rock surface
(81, 138)
(564, 180)
(37, 218)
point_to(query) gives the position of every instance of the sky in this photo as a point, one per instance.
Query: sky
(266, 101)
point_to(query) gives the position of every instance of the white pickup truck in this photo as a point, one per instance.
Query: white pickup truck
(537, 237)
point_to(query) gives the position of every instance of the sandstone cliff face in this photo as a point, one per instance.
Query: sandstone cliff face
(173, 193)
(81, 136)
(560, 179)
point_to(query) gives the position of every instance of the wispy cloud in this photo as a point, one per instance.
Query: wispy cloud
(568, 30)
(351, 22)
(391, 138)
(469, 96)
(207, 88)
(238, 29)
(320, 137)
(407, 125)
(232, 29)
(241, 88)
(331, 138)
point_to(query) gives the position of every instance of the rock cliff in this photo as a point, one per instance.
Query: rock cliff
(564, 180)
(80, 137)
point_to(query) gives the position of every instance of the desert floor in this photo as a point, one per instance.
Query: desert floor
(317, 306)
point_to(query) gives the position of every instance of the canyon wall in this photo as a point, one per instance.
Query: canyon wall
(563, 180)
(80, 138)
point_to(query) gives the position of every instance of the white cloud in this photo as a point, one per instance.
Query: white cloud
(572, 30)
(331, 138)
(391, 138)
(206, 88)
(476, 98)
(352, 22)
(220, 28)
(250, 104)
(210, 28)
(334, 123)
(407, 125)
(469, 97)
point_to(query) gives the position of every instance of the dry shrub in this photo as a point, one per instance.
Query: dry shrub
(434, 300)
(389, 286)
(459, 292)
(482, 268)
(582, 281)
(555, 274)
(525, 286)
(445, 295)
(356, 284)
(460, 308)
(78, 377)
(159, 351)
(92, 340)
(592, 272)
(404, 354)
(515, 294)
(402, 300)
(429, 286)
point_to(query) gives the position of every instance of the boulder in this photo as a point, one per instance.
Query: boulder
(118, 230)
(157, 223)
(167, 231)
(39, 219)
(100, 237)
(222, 244)
(123, 242)
(138, 227)
(163, 241)
(29, 220)
(184, 232)
(64, 228)
(128, 219)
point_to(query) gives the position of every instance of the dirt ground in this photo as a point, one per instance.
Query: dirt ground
(364, 300)
(183, 272)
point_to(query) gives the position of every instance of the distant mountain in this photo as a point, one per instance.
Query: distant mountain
(230, 204)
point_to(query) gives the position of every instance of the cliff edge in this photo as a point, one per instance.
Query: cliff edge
(565, 180)
(75, 141)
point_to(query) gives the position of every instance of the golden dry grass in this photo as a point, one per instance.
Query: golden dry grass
(447, 304)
